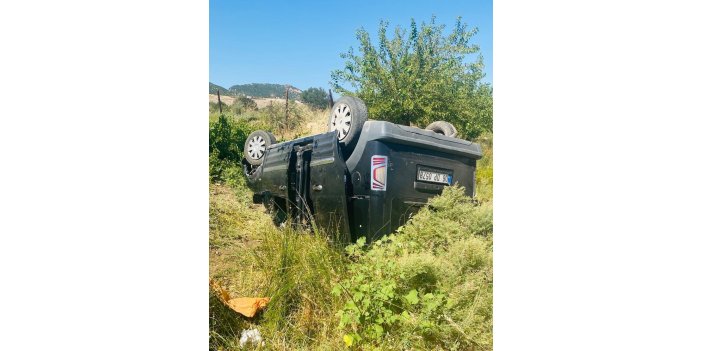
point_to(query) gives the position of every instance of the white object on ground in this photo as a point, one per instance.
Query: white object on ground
(250, 336)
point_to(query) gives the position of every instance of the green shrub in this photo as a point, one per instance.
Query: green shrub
(227, 138)
(243, 104)
(273, 116)
(400, 292)
(316, 98)
(214, 108)
(483, 172)
(240, 105)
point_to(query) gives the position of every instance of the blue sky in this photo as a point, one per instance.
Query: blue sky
(299, 42)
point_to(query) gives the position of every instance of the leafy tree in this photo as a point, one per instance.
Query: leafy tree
(315, 97)
(420, 77)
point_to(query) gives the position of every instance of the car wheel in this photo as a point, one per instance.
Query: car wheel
(347, 118)
(442, 127)
(256, 145)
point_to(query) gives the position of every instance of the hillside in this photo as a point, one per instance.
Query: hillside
(264, 90)
(222, 90)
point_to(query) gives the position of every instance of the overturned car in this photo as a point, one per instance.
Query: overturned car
(363, 177)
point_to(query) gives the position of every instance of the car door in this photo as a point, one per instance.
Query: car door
(328, 187)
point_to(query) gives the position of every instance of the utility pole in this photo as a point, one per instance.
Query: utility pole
(331, 99)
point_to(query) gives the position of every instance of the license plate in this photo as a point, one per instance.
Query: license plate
(433, 176)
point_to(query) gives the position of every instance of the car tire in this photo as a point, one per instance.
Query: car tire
(442, 127)
(256, 146)
(347, 118)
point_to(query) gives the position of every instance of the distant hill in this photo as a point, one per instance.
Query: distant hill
(222, 90)
(264, 90)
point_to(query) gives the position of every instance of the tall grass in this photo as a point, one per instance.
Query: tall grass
(443, 254)
(300, 269)
(250, 256)
(427, 286)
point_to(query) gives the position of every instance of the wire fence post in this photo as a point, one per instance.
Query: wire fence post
(287, 123)
(219, 101)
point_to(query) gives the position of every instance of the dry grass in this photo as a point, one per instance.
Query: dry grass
(251, 257)
(302, 120)
(225, 99)
(260, 102)
(235, 227)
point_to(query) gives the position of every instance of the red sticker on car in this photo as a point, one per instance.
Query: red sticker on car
(379, 173)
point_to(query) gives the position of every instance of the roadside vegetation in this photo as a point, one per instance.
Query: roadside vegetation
(428, 286)
(419, 75)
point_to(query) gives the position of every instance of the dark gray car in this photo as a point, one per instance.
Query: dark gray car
(363, 177)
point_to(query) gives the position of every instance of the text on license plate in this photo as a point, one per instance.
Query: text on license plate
(434, 177)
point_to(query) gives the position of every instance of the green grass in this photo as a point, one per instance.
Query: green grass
(426, 287)
(249, 256)
(483, 172)
(429, 285)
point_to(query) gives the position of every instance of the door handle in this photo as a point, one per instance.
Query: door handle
(317, 187)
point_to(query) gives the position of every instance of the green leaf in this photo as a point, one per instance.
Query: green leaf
(378, 330)
(348, 340)
(345, 320)
(412, 297)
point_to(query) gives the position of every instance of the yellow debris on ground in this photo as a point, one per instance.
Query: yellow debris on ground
(248, 306)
